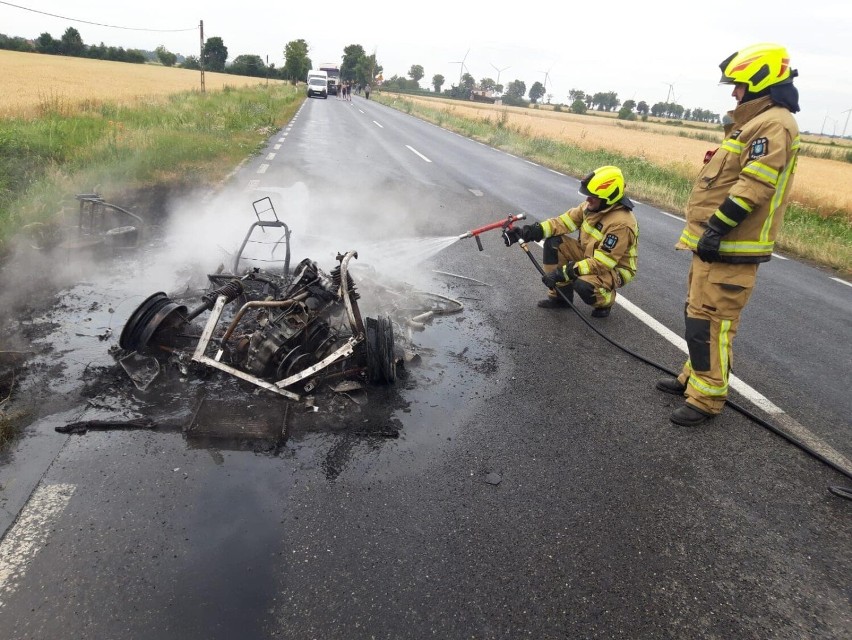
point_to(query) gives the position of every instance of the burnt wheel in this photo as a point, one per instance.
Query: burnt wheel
(156, 315)
(381, 365)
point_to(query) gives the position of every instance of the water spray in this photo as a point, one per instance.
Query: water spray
(504, 224)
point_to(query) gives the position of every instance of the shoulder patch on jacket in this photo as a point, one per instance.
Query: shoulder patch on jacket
(758, 149)
(735, 134)
(610, 241)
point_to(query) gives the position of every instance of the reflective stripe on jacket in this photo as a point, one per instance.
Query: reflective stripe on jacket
(609, 238)
(742, 191)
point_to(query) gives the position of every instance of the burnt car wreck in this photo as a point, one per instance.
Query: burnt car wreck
(283, 330)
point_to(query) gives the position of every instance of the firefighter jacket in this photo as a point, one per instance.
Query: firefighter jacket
(609, 238)
(743, 188)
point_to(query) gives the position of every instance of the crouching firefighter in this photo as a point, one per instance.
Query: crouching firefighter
(603, 259)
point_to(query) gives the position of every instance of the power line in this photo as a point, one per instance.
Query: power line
(97, 24)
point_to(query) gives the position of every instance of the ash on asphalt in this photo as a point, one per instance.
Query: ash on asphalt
(71, 369)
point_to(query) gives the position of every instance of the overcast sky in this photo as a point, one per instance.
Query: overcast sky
(644, 51)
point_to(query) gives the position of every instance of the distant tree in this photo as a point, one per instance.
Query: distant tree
(487, 84)
(296, 61)
(46, 44)
(416, 73)
(626, 114)
(516, 89)
(368, 70)
(576, 94)
(71, 43)
(248, 65)
(579, 106)
(215, 54)
(15, 43)
(642, 108)
(498, 88)
(353, 55)
(166, 57)
(536, 92)
(190, 62)
(468, 82)
(438, 81)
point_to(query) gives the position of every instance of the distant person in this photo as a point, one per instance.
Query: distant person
(367, 91)
(604, 257)
(732, 219)
(339, 91)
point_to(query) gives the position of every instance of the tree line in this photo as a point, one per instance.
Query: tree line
(358, 68)
(578, 101)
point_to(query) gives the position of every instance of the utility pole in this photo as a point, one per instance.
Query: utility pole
(201, 54)
(267, 70)
(847, 112)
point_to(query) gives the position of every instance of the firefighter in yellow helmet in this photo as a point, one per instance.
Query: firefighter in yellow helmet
(732, 219)
(602, 258)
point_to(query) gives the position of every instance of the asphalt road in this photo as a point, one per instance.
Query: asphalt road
(537, 489)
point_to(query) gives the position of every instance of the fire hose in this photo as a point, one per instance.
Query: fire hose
(506, 225)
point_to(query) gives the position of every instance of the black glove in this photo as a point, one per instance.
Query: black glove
(708, 246)
(559, 276)
(511, 236)
(532, 232)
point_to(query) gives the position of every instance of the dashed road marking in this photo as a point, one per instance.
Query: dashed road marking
(29, 534)
(378, 125)
(415, 151)
(751, 394)
(262, 168)
(848, 284)
(276, 147)
(270, 155)
(476, 192)
(253, 184)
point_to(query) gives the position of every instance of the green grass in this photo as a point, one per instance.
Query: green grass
(188, 138)
(824, 240)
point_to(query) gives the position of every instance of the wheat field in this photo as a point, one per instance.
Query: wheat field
(819, 184)
(34, 83)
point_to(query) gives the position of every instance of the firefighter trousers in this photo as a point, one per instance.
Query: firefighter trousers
(597, 290)
(717, 293)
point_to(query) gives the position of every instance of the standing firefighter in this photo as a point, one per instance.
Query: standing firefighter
(603, 259)
(732, 219)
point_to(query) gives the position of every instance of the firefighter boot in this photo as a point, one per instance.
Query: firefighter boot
(689, 416)
(672, 386)
(601, 312)
(553, 299)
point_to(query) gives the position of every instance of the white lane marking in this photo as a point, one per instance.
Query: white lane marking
(262, 168)
(780, 257)
(532, 163)
(277, 147)
(413, 150)
(361, 110)
(666, 213)
(751, 394)
(253, 184)
(29, 534)
(280, 139)
(378, 125)
(848, 284)
(270, 155)
(476, 192)
(556, 172)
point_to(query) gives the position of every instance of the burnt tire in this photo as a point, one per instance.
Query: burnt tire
(156, 315)
(381, 362)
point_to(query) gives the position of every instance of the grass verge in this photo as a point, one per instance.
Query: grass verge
(807, 234)
(186, 138)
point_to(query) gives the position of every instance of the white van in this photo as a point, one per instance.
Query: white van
(316, 73)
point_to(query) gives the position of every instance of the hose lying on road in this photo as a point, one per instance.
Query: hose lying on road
(838, 491)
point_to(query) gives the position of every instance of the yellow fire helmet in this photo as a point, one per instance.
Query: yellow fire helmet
(758, 67)
(606, 183)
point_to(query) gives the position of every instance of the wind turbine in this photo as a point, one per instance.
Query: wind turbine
(499, 71)
(843, 135)
(671, 93)
(462, 68)
(546, 80)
